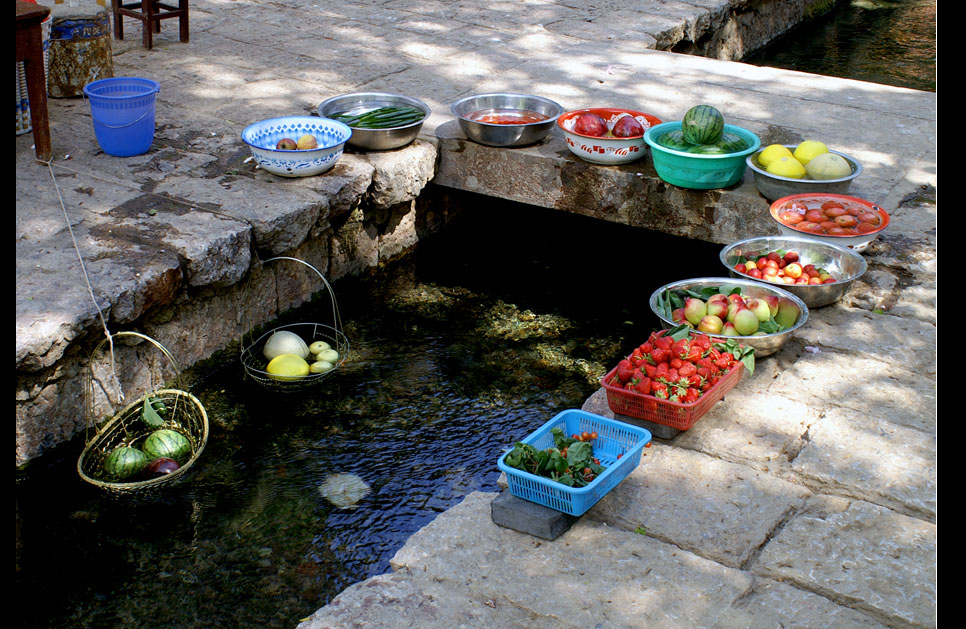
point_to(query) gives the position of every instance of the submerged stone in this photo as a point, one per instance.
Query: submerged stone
(344, 490)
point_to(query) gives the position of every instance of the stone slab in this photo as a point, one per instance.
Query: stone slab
(592, 575)
(861, 555)
(528, 517)
(718, 510)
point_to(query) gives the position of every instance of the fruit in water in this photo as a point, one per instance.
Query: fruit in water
(125, 462)
(328, 355)
(318, 346)
(287, 144)
(285, 342)
(786, 167)
(287, 367)
(307, 142)
(320, 366)
(808, 150)
(590, 124)
(627, 127)
(674, 140)
(702, 124)
(160, 466)
(167, 443)
(773, 152)
(828, 166)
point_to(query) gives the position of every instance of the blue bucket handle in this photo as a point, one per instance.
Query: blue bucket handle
(154, 90)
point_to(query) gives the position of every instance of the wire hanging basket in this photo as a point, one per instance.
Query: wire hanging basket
(329, 337)
(174, 410)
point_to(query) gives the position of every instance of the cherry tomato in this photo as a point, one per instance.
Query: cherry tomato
(806, 225)
(868, 217)
(790, 218)
(832, 204)
(575, 437)
(827, 225)
(835, 211)
(593, 436)
(815, 216)
(585, 436)
(865, 228)
(838, 231)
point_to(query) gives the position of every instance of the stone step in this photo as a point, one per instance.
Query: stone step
(594, 575)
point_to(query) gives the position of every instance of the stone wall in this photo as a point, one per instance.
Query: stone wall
(201, 303)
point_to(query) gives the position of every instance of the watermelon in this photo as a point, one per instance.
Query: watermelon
(674, 140)
(702, 124)
(731, 143)
(125, 462)
(167, 443)
(708, 149)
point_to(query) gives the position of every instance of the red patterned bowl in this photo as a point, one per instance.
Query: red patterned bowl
(606, 149)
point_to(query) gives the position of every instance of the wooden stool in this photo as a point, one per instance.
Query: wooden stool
(30, 50)
(150, 13)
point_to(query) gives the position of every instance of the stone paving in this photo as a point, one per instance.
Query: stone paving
(808, 497)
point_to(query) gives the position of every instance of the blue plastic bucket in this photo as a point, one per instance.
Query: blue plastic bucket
(123, 113)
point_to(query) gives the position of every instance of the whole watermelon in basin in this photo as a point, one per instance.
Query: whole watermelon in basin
(169, 444)
(702, 124)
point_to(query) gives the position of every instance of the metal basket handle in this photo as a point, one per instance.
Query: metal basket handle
(336, 318)
(89, 392)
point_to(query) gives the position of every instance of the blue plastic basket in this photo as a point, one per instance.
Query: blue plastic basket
(614, 439)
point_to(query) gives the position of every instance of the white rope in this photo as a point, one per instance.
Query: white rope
(87, 280)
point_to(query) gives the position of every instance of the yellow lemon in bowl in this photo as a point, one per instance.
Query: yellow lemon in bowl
(786, 166)
(808, 150)
(771, 153)
(287, 367)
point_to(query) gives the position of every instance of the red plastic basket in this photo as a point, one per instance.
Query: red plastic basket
(674, 414)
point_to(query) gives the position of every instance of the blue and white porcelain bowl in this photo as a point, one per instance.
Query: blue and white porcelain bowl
(262, 137)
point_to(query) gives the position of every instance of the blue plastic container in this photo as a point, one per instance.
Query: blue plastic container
(614, 439)
(123, 113)
(699, 171)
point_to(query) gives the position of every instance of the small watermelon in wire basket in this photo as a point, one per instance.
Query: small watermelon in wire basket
(122, 456)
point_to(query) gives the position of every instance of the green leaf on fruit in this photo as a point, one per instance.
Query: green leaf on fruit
(150, 416)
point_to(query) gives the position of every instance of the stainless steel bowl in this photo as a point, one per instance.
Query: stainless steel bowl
(375, 139)
(842, 263)
(773, 187)
(506, 135)
(764, 345)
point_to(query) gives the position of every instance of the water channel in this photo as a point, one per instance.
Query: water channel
(470, 344)
(892, 42)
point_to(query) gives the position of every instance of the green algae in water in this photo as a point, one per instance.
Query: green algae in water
(457, 352)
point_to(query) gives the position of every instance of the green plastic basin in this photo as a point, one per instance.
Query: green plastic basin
(692, 170)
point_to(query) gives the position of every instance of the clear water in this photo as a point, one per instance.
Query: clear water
(472, 343)
(891, 42)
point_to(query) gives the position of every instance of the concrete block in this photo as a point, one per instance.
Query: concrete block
(528, 517)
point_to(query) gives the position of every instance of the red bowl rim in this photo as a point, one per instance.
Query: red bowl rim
(773, 211)
(604, 112)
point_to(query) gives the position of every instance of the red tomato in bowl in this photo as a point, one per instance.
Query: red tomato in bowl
(790, 218)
